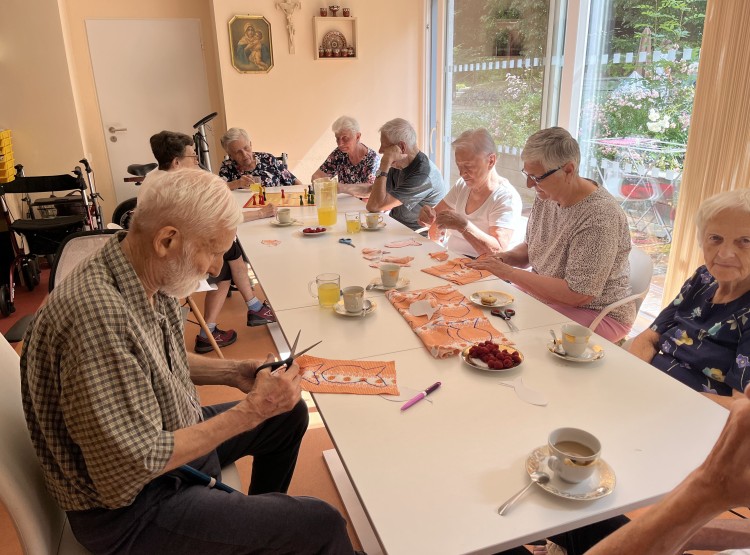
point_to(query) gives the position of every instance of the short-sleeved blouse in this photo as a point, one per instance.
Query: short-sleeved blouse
(268, 168)
(587, 245)
(705, 345)
(338, 163)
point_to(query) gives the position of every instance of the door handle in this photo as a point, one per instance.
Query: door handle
(432, 134)
(116, 129)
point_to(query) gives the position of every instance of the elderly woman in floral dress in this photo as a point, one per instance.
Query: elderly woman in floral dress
(246, 167)
(353, 163)
(703, 337)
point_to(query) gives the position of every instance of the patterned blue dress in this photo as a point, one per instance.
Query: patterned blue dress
(268, 168)
(704, 345)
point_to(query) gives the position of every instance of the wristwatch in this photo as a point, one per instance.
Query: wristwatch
(382, 174)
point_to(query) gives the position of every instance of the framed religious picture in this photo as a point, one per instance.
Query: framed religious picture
(250, 43)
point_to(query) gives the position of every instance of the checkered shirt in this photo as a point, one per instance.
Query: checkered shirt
(105, 383)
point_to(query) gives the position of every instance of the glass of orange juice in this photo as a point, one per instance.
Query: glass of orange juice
(328, 289)
(353, 223)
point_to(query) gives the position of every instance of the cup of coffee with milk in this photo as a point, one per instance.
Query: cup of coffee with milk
(573, 454)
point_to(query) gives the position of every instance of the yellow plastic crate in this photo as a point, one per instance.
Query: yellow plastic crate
(7, 175)
(5, 134)
(6, 164)
(6, 156)
(5, 144)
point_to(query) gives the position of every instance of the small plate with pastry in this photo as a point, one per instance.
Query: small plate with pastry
(491, 299)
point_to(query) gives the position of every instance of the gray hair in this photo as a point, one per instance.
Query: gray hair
(196, 202)
(713, 206)
(552, 148)
(399, 130)
(479, 141)
(233, 134)
(345, 123)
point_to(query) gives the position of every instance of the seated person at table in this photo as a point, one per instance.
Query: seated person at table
(703, 337)
(246, 167)
(482, 210)
(577, 239)
(113, 412)
(407, 179)
(352, 162)
(176, 151)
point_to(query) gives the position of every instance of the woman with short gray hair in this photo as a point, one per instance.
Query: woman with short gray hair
(352, 162)
(702, 338)
(246, 167)
(577, 239)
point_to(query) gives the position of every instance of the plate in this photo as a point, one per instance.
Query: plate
(316, 234)
(503, 299)
(279, 224)
(369, 307)
(599, 484)
(479, 365)
(380, 226)
(595, 352)
(334, 39)
(378, 284)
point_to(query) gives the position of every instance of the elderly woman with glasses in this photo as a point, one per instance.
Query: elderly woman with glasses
(352, 162)
(703, 337)
(577, 240)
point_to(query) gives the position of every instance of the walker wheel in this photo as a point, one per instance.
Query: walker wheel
(5, 308)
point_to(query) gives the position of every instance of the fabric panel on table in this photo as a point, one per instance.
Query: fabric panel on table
(361, 377)
(457, 272)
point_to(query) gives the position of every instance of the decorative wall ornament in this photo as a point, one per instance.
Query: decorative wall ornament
(250, 43)
(289, 8)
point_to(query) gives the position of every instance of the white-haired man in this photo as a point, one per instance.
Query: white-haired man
(407, 179)
(111, 405)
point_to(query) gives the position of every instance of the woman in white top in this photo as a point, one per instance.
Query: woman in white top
(482, 210)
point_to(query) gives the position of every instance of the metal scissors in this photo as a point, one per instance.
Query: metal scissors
(347, 241)
(287, 361)
(505, 315)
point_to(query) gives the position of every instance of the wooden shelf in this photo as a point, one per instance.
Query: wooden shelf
(347, 26)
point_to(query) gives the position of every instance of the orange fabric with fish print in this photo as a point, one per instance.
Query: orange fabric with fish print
(362, 377)
(455, 271)
(455, 325)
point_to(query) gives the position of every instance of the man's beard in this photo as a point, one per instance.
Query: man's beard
(180, 277)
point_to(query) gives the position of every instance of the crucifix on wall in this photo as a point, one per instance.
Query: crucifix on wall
(288, 8)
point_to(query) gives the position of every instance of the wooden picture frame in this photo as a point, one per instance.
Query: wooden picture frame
(250, 44)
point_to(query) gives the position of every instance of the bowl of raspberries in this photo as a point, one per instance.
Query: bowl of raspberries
(492, 356)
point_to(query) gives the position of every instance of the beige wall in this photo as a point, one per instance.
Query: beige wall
(291, 108)
(36, 95)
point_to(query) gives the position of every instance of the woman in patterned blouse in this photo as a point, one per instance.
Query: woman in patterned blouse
(354, 163)
(703, 337)
(245, 167)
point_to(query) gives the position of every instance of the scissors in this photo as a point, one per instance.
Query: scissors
(347, 241)
(505, 315)
(287, 361)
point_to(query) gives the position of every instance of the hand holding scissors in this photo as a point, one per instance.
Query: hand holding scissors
(287, 361)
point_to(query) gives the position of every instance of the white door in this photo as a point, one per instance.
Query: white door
(150, 76)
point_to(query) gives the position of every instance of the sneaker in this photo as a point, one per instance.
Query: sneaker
(222, 337)
(261, 317)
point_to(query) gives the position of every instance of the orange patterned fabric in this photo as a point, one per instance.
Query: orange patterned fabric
(440, 256)
(362, 377)
(455, 325)
(456, 271)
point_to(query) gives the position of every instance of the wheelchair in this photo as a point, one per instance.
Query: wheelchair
(41, 235)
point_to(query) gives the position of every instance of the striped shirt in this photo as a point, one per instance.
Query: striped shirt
(105, 383)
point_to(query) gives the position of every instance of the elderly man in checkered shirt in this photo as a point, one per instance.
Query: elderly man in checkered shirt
(111, 405)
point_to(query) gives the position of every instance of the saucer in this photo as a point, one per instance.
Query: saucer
(595, 352)
(380, 226)
(503, 299)
(378, 284)
(277, 223)
(481, 365)
(368, 308)
(314, 234)
(599, 484)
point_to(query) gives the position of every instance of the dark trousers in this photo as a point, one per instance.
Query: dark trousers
(172, 516)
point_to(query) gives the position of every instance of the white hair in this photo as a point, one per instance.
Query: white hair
(737, 199)
(399, 130)
(552, 148)
(196, 202)
(479, 141)
(345, 123)
(233, 134)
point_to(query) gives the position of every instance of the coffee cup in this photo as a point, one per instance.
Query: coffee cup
(354, 298)
(373, 219)
(284, 215)
(575, 339)
(573, 454)
(389, 274)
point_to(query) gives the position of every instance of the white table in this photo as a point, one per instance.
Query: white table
(430, 479)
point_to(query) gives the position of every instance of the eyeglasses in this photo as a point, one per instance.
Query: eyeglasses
(538, 179)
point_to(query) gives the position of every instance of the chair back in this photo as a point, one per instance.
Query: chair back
(35, 514)
(76, 248)
(641, 272)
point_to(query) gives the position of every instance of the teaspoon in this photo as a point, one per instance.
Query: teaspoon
(536, 478)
